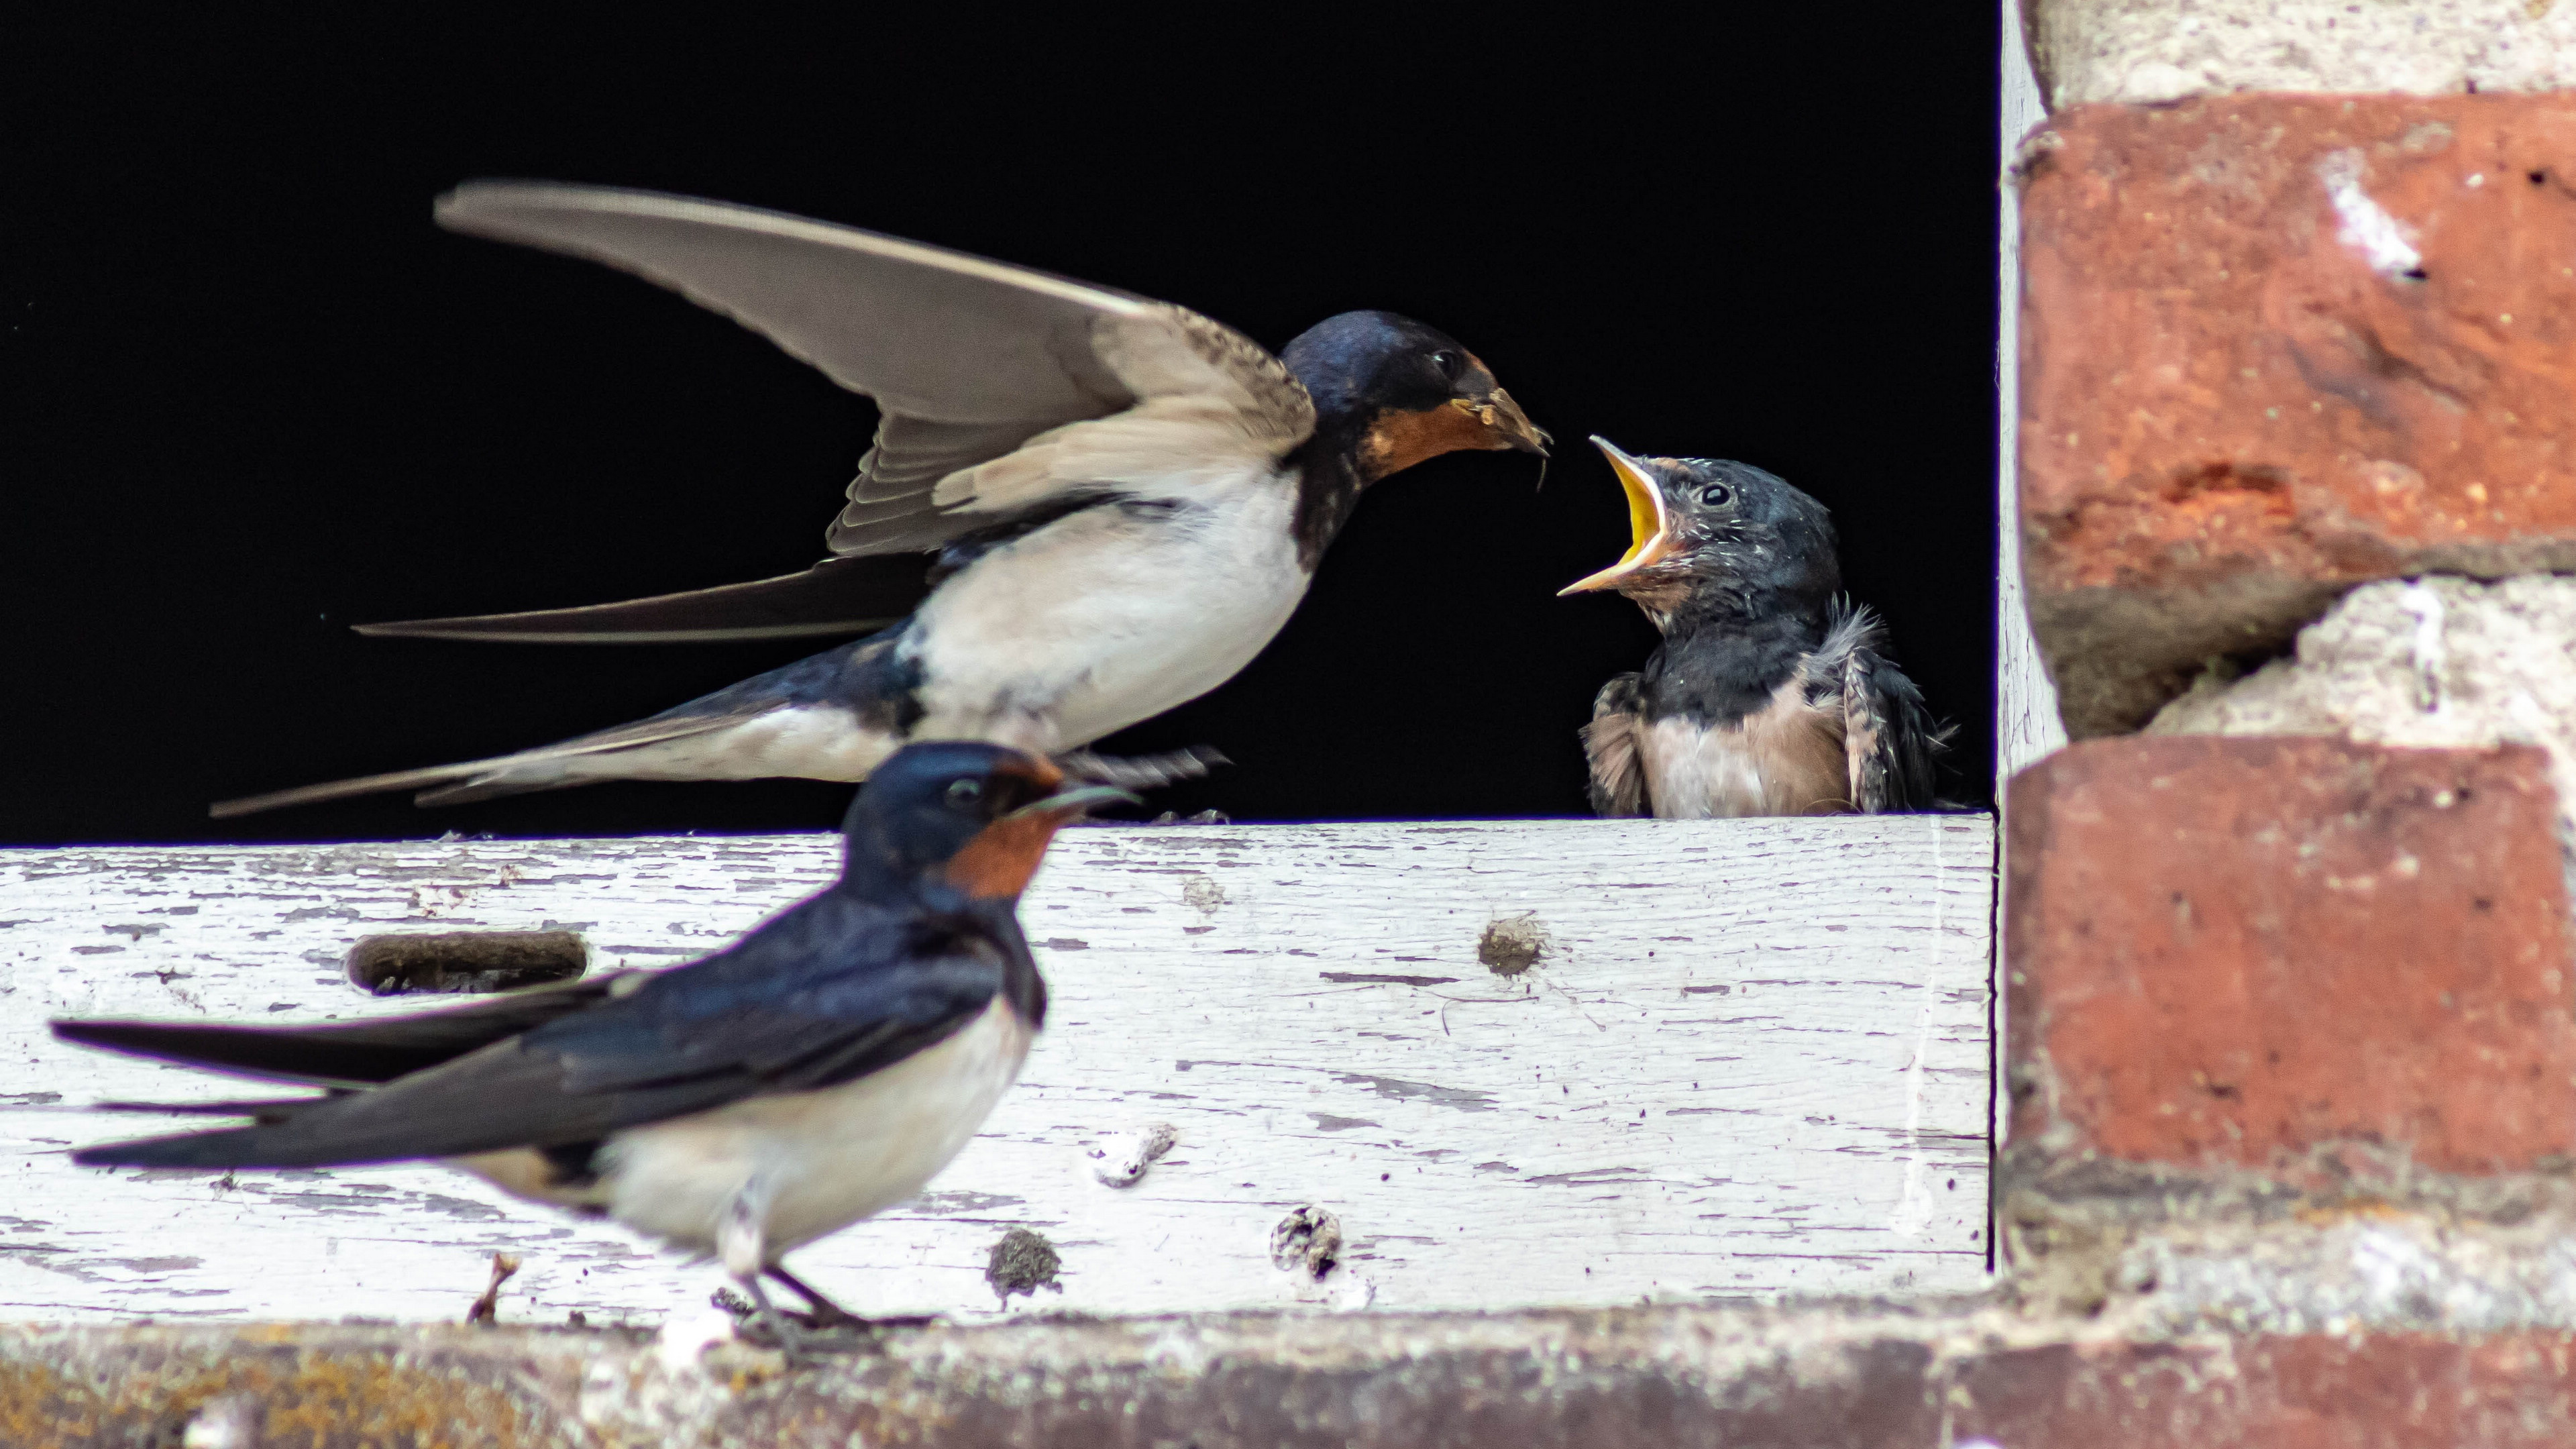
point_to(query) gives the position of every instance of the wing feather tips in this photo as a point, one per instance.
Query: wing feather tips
(1615, 763)
(289, 1055)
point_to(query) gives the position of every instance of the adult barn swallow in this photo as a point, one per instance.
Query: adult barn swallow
(814, 1072)
(1118, 501)
(1770, 695)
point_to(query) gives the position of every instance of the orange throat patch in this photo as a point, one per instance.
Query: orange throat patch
(1002, 858)
(1397, 441)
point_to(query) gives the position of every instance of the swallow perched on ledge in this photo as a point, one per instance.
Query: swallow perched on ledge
(1770, 695)
(816, 1071)
(1112, 503)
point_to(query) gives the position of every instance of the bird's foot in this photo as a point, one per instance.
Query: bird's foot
(758, 1323)
(826, 1329)
(825, 1316)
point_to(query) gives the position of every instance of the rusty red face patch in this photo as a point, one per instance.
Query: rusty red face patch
(1004, 855)
(999, 862)
(1397, 441)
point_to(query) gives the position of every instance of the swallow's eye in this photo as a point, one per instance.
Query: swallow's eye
(1716, 495)
(1448, 362)
(963, 794)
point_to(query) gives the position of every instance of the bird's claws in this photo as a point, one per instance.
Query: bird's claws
(829, 1318)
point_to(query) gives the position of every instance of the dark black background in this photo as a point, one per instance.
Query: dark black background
(254, 396)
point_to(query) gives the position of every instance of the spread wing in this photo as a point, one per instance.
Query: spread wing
(1001, 389)
(1889, 737)
(684, 1041)
(1611, 748)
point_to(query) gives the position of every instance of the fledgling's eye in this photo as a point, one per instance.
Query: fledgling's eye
(1716, 495)
(1448, 362)
(964, 794)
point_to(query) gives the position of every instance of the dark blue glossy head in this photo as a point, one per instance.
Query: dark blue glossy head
(1404, 392)
(957, 815)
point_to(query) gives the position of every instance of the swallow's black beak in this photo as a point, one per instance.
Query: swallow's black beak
(1504, 424)
(1071, 802)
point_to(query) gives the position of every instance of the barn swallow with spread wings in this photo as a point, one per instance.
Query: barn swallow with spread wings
(816, 1071)
(1102, 505)
(1770, 695)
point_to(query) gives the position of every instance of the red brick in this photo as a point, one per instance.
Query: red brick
(2386, 1391)
(2229, 415)
(2230, 952)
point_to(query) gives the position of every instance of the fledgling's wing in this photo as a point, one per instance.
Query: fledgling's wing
(1889, 738)
(685, 1041)
(1611, 747)
(1001, 388)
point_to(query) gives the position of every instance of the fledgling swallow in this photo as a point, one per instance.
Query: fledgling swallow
(816, 1071)
(1104, 505)
(1770, 695)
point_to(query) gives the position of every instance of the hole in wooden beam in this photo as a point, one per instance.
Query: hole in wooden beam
(453, 961)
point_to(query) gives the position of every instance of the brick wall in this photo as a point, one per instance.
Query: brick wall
(2291, 1050)
(2289, 1054)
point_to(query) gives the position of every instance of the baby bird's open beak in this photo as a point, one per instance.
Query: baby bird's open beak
(1649, 524)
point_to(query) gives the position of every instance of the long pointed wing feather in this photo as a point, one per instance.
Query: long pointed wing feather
(353, 1053)
(925, 331)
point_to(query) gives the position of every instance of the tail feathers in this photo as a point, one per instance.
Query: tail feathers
(497, 787)
(362, 785)
(838, 596)
(274, 1145)
(354, 1053)
(550, 767)
(267, 1111)
(280, 1054)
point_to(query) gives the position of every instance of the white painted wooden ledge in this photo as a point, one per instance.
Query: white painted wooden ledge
(1750, 1059)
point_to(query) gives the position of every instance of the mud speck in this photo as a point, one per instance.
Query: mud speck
(1512, 945)
(1202, 894)
(1022, 1262)
(1308, 1241)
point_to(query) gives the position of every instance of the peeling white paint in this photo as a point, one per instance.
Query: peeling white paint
(2383, 241)
(1715, 1080)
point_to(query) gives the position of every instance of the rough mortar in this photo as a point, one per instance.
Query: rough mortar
(2143, 52)
(2495, 663)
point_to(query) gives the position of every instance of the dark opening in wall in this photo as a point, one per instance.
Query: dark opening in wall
(262, 398)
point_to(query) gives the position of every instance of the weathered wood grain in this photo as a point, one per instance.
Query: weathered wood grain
(1750, 1057)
